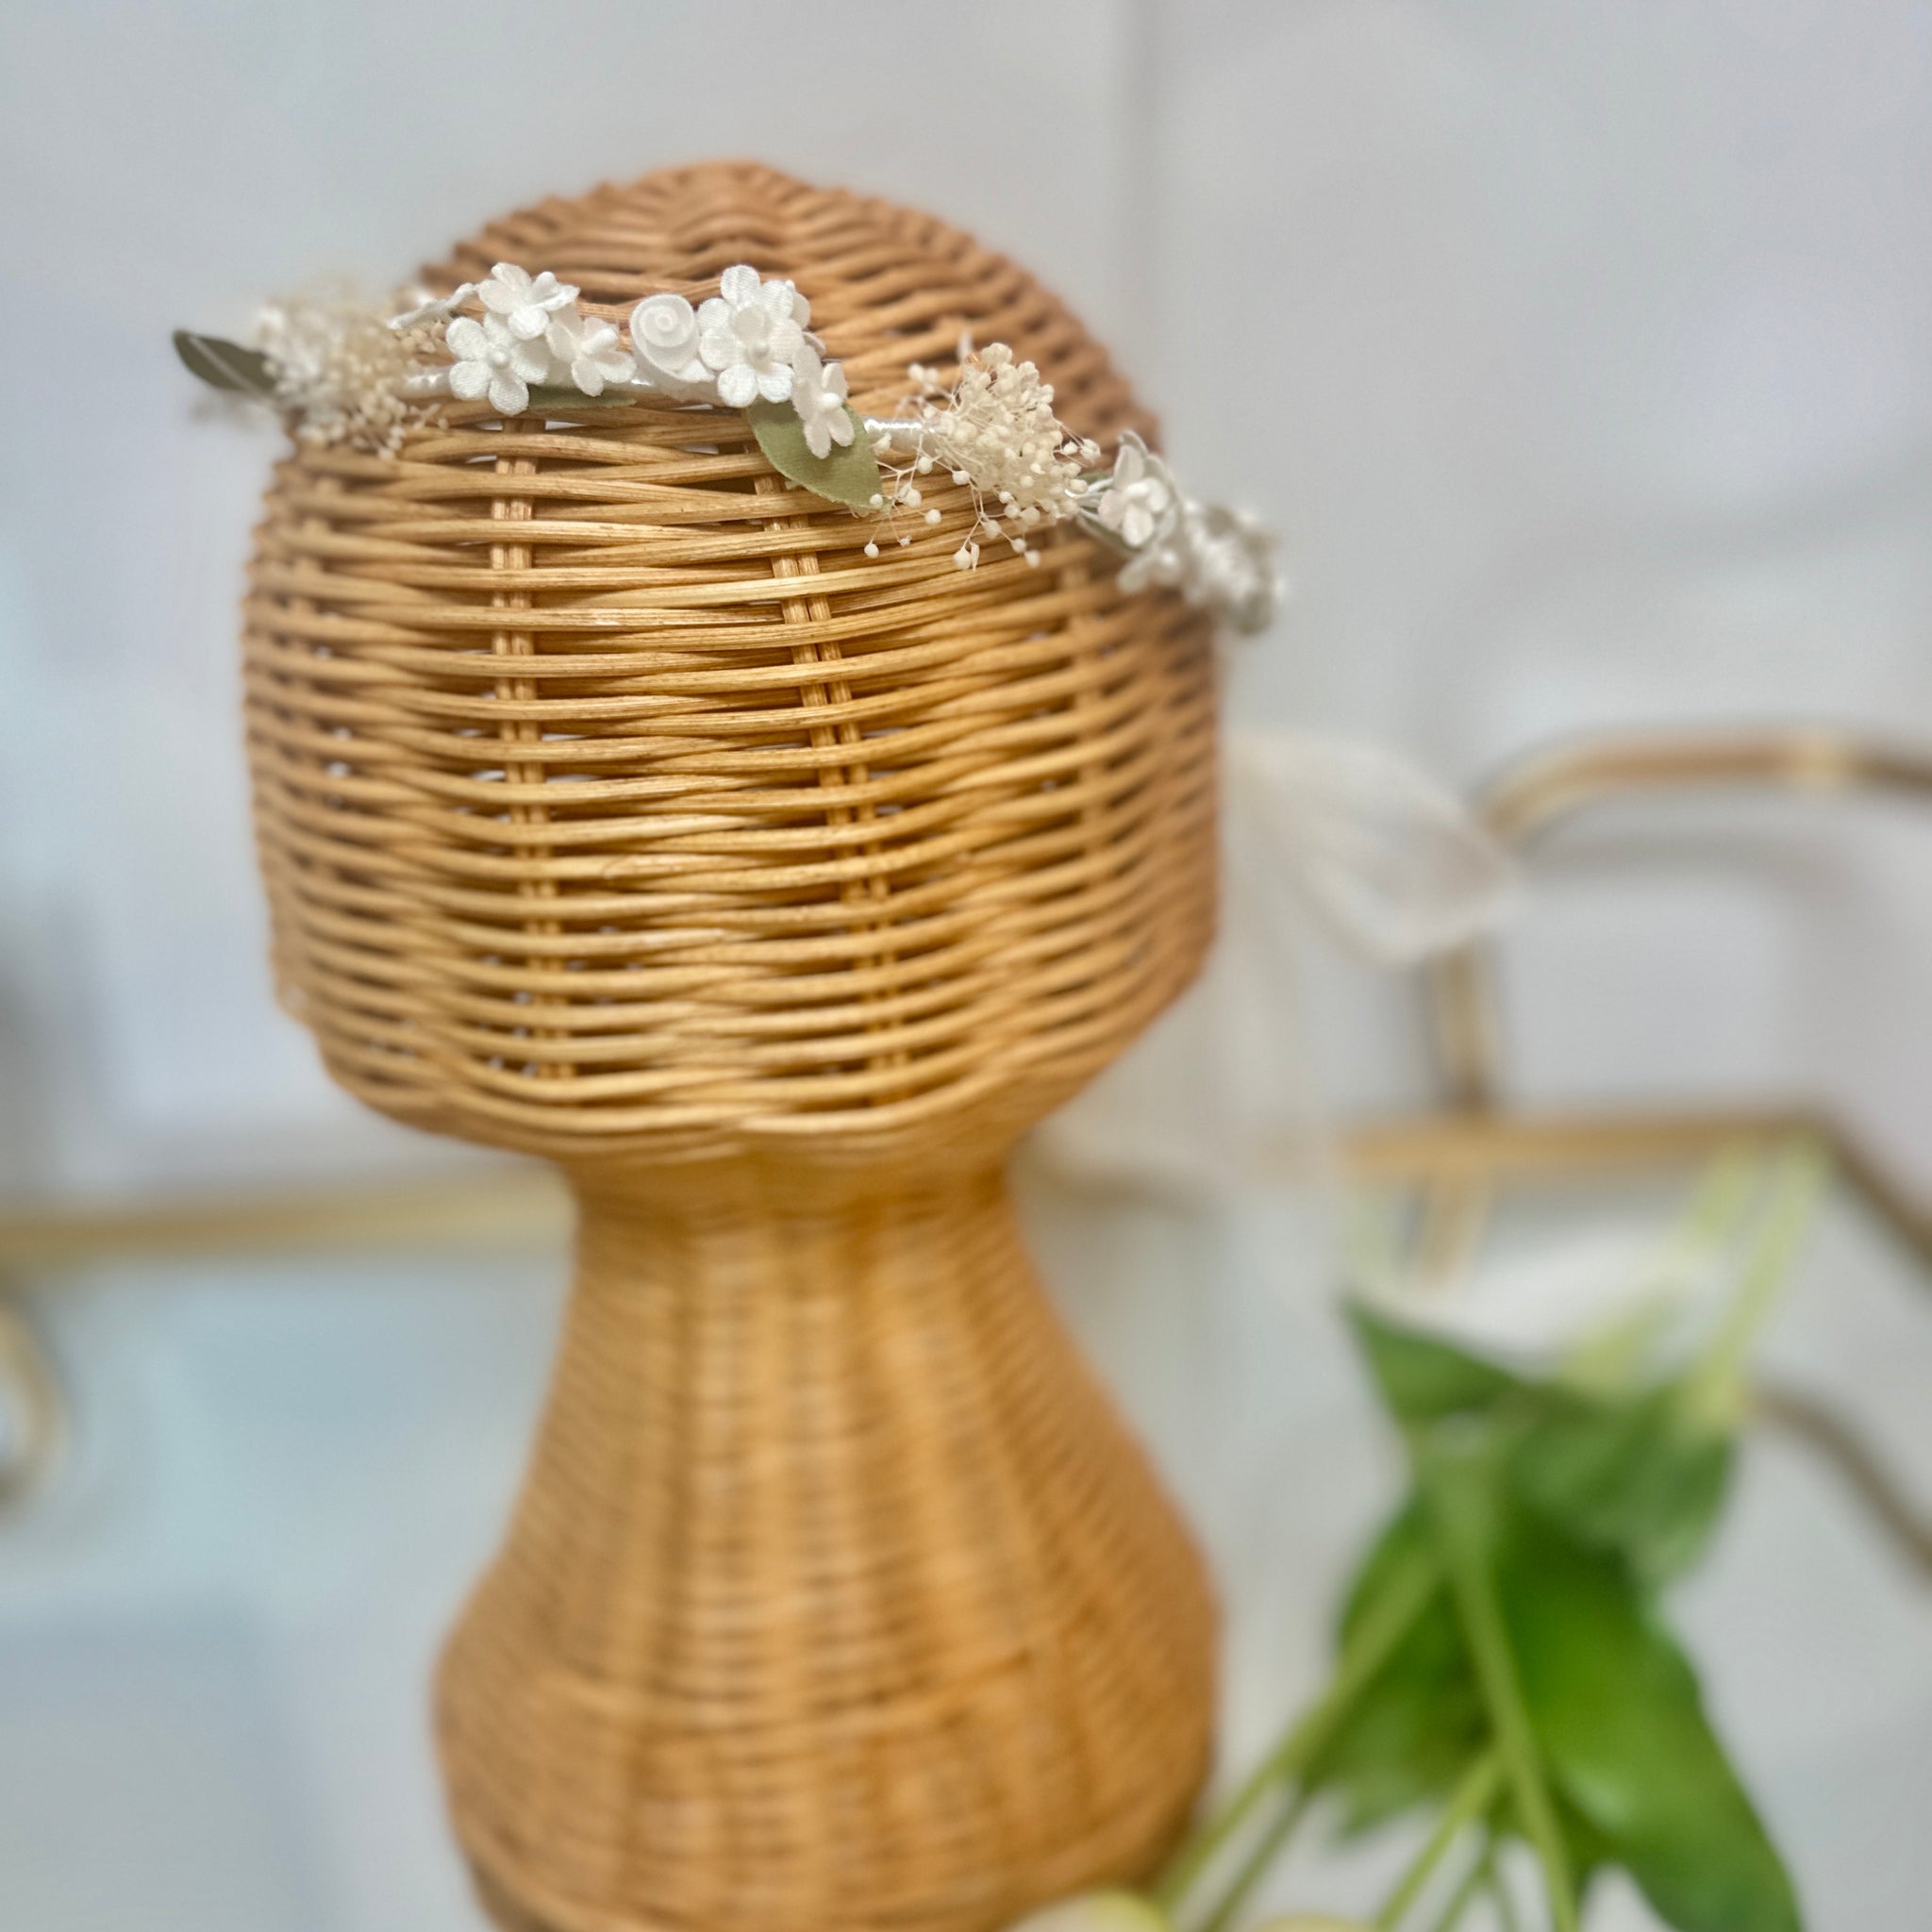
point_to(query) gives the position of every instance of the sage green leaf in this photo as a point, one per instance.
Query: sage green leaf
(848, 474)
(1423, 1377)
(227, 365)
(1643, 1476)
(1619, 1716)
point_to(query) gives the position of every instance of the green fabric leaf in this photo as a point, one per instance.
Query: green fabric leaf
(849, 475)
(1638, 1477)
(1616, 1711)
(227, 365)
(1423, 1377)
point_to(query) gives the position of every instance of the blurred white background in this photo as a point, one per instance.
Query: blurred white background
(1583, 353)
(1580, 352)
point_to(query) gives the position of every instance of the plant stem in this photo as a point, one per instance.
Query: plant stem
(1708, 1223)
(1457, 1511)
(1472, 1798)
(1713, 1388)
(1258, 1861)
(1402, 1602)
(1482, 1870)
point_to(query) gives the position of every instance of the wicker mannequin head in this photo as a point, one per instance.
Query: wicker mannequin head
(615, 807)
(613, 804)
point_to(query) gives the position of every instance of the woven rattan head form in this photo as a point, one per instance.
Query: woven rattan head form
(612, 802)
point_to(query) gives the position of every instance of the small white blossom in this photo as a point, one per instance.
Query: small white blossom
(1140, 500)
(490, 360)
(1234, 568)
(664, 332)
(523, 303)
(749, 333)
(589, 351)
(818, 394)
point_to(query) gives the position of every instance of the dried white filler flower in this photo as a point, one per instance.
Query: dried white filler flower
(340, 369)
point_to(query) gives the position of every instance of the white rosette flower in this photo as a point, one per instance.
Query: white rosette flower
(589, 351)
(818, 394)
(490, 360)
(525, 302)
(750, 333)
(664, 332)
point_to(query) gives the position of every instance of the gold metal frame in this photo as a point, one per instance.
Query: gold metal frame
(1460, 1155)
(1477, 1136)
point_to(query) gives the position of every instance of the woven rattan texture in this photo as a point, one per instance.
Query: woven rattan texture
(860, 1608)
(610, 796)
(614, 807)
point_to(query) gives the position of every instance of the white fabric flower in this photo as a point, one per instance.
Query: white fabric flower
(588, 350)
(525, 302)
(664, 332)
(1215, 556)
(1139, 502)
(1232, 567)
(491, 362)
(818, 394)
(749, 333)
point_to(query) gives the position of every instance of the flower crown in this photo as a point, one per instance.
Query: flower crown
(342, 372)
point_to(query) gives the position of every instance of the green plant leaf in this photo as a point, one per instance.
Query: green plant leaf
(1412, 1731)
(1416, 1723)
(849, 475)
(1423, 1378)
(1616, 1712)
(1643, 1476)
(227, 365)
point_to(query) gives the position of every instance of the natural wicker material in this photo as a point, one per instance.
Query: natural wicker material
(615, 808)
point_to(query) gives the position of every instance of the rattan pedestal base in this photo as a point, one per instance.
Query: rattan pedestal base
(836, 1596)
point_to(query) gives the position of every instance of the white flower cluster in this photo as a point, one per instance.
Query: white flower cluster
(747, 342)
(1212, 556)
(531, 332)
(338, 371)
(994, 430)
